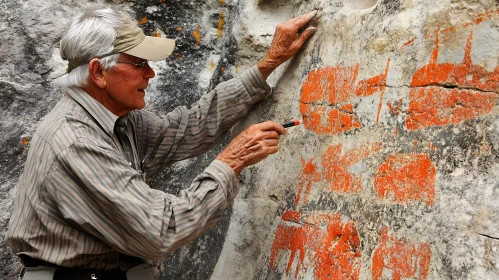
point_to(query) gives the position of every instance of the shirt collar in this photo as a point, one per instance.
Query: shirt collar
(103, 116)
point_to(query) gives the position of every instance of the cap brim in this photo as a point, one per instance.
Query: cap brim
(153, 48)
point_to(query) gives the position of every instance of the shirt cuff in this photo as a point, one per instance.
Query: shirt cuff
(226, 177)
(255, 84)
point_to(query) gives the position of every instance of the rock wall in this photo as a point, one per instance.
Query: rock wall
(393, 174)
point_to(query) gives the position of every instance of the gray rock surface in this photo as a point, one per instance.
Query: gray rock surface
(392, 176)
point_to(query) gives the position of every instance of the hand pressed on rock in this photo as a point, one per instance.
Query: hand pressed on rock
(252, 145)
(286, 42)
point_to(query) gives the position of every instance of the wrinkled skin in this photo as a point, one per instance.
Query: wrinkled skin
(260, 140)
(286, 42)
(252, 145)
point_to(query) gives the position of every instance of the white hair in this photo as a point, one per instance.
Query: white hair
(88, 36)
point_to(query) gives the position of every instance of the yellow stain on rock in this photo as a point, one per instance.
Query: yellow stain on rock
(221, 23)
(179, 28)
(143, 20)
(237, 69)
(25, 141)
(222, 2)
(197, 35)
(155, 33)
(212, 65)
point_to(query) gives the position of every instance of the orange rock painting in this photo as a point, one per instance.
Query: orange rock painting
(197, 35)
(406, 177)
(322, 243)
(308, 175)
(334, 174)
(142, 20)
(479, 18)
(447, 93)
(405, 260)
(326, 95)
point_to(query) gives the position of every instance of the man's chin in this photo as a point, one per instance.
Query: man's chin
(141, 104)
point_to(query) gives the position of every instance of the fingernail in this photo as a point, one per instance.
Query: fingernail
(312, 30)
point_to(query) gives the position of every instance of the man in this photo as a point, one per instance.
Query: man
(83, 209)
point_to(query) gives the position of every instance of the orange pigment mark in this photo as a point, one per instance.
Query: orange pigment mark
(395, 110)
(336, 166)
(143, 20)
(155, 33)
(406, 177)
(479, 18)
(237, 69)
(432, 147)
(330, 247)
(197, 35)
(415, 143)
(334, 173)
(307, 176)
(25, 141)
(347, 108)
(405, 260)
(439, 106)
(326, 93)
(411, 41)
(179, 28)
(221, 23)
(222, 2)
(485, 16)
(381, 81)
(291, 216)
(451, 29)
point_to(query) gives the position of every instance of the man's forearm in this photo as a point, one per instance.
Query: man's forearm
(266, 67)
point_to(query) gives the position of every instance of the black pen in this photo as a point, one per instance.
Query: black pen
(292, 123)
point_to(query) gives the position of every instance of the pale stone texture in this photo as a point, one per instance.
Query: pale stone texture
(443, 225)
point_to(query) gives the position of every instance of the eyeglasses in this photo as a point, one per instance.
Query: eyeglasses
(138, 65)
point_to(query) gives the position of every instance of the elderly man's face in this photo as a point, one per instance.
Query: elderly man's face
(126, 84)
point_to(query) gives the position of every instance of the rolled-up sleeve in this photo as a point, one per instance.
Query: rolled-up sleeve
(109, 200)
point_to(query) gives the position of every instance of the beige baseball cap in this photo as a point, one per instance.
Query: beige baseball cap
(130, 39)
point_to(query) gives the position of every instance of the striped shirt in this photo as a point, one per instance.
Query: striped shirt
(82, 200)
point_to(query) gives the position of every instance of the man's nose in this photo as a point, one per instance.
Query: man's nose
(148, 72)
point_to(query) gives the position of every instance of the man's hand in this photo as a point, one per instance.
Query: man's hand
(252, 145)
(286, 42)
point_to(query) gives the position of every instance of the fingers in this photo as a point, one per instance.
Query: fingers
(252, 145)
(304, 36)
(265, 144)
(271, 126)
(300, 21)
(270, 135)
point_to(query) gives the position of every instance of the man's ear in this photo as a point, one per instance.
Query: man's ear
(96, 74)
